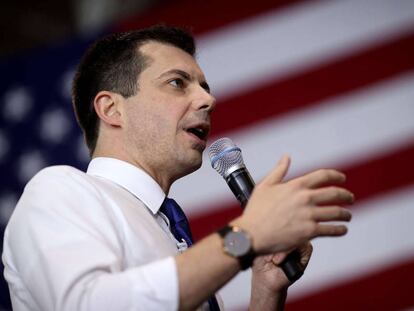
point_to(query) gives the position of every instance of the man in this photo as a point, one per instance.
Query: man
(103, 240)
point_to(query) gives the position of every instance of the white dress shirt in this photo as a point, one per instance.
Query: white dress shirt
(91, 241)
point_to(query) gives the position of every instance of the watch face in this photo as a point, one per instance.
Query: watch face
(237, 243)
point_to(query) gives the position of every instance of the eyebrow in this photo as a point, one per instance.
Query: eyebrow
(187, 76)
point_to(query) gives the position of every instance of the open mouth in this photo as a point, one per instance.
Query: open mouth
(199, 132)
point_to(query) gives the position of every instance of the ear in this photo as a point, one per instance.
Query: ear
(108, 107)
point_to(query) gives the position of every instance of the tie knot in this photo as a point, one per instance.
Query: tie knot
(173, 211)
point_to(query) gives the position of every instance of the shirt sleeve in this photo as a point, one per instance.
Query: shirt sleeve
(64, 248)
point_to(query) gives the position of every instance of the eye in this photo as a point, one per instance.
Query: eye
(177, 83)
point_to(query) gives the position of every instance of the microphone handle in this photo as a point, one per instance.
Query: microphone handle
(242, 184)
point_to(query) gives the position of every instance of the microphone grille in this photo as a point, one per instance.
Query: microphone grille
(224, 155)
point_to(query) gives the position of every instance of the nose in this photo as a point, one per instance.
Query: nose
(203, 100)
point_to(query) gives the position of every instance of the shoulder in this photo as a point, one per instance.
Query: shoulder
(60, 178)
(59, 186)
(58, 194)
(57, 172)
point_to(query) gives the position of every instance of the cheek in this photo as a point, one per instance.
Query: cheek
(156, 117)
(149, 127)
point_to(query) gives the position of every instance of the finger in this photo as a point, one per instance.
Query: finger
(332, 195)
(280, 171)
(321, 178)
(330, 230)
(331, 213)
(278, 258)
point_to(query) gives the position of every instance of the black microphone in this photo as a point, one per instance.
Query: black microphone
(227, 160)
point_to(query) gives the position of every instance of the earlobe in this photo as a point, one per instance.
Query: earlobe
(107, 107)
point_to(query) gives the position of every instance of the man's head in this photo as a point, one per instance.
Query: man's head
(114, 63)
(151, 101)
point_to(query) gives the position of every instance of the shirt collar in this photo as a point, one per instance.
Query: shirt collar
(130, 177)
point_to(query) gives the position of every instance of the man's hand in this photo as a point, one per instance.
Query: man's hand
(269, 276)
(269, 282)
(280, 216)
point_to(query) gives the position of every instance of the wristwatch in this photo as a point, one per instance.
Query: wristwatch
(238, 244)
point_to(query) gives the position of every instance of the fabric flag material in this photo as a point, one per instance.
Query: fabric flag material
(331, 83)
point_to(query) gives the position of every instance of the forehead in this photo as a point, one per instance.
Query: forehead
(164, 57)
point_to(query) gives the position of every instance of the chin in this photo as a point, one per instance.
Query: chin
(191, 166)
(195, 165)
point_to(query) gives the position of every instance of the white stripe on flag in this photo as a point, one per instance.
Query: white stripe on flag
(267, 47)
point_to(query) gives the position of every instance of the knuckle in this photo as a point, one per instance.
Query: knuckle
(338, 230)
(338, 213)
(319, 174)
(336, 192)
(341, 230)
(310, 229)
(331, 230)
(296, 184)
(324, 173)
(304, 198)
(309, 213)
(332, 175)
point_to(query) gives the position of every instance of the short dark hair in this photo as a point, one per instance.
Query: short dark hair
(113, 63)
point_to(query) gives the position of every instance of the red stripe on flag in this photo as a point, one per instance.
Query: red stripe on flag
(388, 289)
(311, 87)
(202, 16)
(379, 175)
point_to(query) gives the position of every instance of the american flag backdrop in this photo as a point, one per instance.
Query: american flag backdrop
(330, 83)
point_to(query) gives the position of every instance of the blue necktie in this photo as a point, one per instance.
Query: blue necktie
(180, 228)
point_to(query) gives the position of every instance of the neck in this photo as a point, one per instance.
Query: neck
(157, 173)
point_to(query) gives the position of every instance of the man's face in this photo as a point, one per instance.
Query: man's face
(168, 120)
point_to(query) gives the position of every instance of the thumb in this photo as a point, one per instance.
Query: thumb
(278, 258)
(280, 171)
